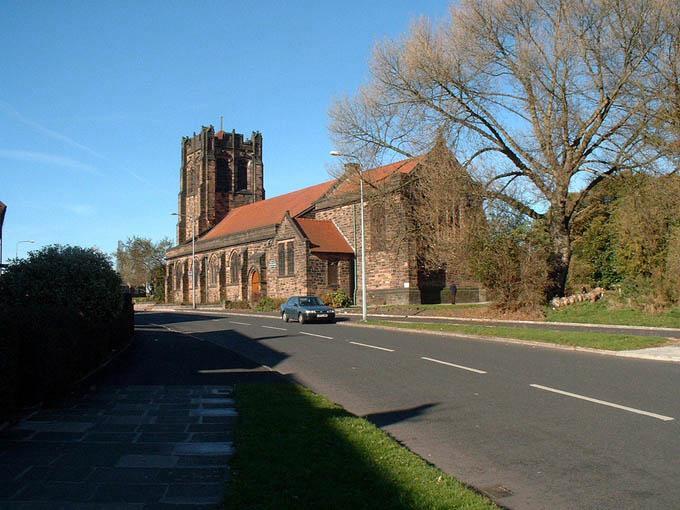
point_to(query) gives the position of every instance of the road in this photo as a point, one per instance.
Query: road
(536, 427)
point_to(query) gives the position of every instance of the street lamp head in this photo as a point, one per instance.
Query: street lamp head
(336, 153)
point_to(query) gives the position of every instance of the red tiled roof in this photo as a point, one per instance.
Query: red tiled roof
(268, 212)
(271, 211)
(324, 236)
(376, 175)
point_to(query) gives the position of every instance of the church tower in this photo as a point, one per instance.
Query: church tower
(220, 171)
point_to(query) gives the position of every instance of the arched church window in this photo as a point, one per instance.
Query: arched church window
(213, 270)
(178, 276)
(222, 176)
(241, 174)
(235, 267)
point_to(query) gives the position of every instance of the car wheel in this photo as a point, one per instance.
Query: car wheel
(284, 317)
(301, 318)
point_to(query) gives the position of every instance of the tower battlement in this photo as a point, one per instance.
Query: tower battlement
(219, 172)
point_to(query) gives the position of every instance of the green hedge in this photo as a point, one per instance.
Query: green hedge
(62, 312)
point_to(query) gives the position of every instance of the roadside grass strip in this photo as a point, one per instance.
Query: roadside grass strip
(600, 313)
(603, 402)
(593, 340)
(297, 450)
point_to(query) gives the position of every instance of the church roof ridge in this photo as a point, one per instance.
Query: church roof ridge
(272, 210)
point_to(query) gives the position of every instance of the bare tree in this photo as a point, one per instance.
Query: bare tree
(539, 98)
(662, 92)
(138, 260)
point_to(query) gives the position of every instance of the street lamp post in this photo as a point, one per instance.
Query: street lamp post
(16, 253)
(363, 235)
(193, 256)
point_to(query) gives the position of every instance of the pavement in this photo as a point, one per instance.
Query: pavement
(532, 426)
(153, 430)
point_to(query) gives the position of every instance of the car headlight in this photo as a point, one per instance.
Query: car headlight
(331, 310)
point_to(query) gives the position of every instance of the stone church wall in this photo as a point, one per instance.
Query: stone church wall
(390, 274)
(283, 286)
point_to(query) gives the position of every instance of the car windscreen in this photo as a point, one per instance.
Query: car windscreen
(310, 301)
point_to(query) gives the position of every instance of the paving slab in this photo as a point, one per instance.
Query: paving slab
(125, 454)
(150, 431)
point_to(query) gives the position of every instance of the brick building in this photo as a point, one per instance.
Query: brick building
(304, 242)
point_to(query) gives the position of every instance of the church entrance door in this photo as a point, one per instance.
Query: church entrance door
(255, 286)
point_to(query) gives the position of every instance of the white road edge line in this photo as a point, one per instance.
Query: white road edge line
(320, 336)
(274, 327)
(476, 371)
(604, 403)
(372, 346)
(241, 323)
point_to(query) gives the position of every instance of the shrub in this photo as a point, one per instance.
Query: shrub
(267, 304)
(513, 264)
(337, 299)
(62, 312)
(236, 305)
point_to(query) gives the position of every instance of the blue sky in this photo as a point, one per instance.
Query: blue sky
(95, 97)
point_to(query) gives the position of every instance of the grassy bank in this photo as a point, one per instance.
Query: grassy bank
(295, 449)
(606, 341)
(602, 313)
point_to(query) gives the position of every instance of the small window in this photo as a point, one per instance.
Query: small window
(287, 258)
(378, 226)
(191, 180)
(290, 258)
(282, 259)
(333, 273)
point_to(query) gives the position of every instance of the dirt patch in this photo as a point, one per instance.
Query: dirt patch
(463, 311)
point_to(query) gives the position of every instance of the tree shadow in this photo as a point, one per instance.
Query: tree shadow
(295, 450)
(158, 356)
(390, 417)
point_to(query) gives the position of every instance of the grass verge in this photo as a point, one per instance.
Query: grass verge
(297, 450)
(600, 313)
(605, 341)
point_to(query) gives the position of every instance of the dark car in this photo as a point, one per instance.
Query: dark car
(306, 309)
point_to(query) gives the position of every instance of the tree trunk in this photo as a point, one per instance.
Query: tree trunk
(560, 255)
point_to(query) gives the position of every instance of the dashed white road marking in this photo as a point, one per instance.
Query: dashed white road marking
(476, 371)
(320, 336)
(372, 346)
(274, 327)
(241, 323)
(603, 402)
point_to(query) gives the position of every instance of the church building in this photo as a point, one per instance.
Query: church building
(306, 242)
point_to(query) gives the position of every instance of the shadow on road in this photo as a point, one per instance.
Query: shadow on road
(389, 417)
(162, 357)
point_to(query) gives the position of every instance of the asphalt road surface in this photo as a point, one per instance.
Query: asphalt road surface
(533, 427)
